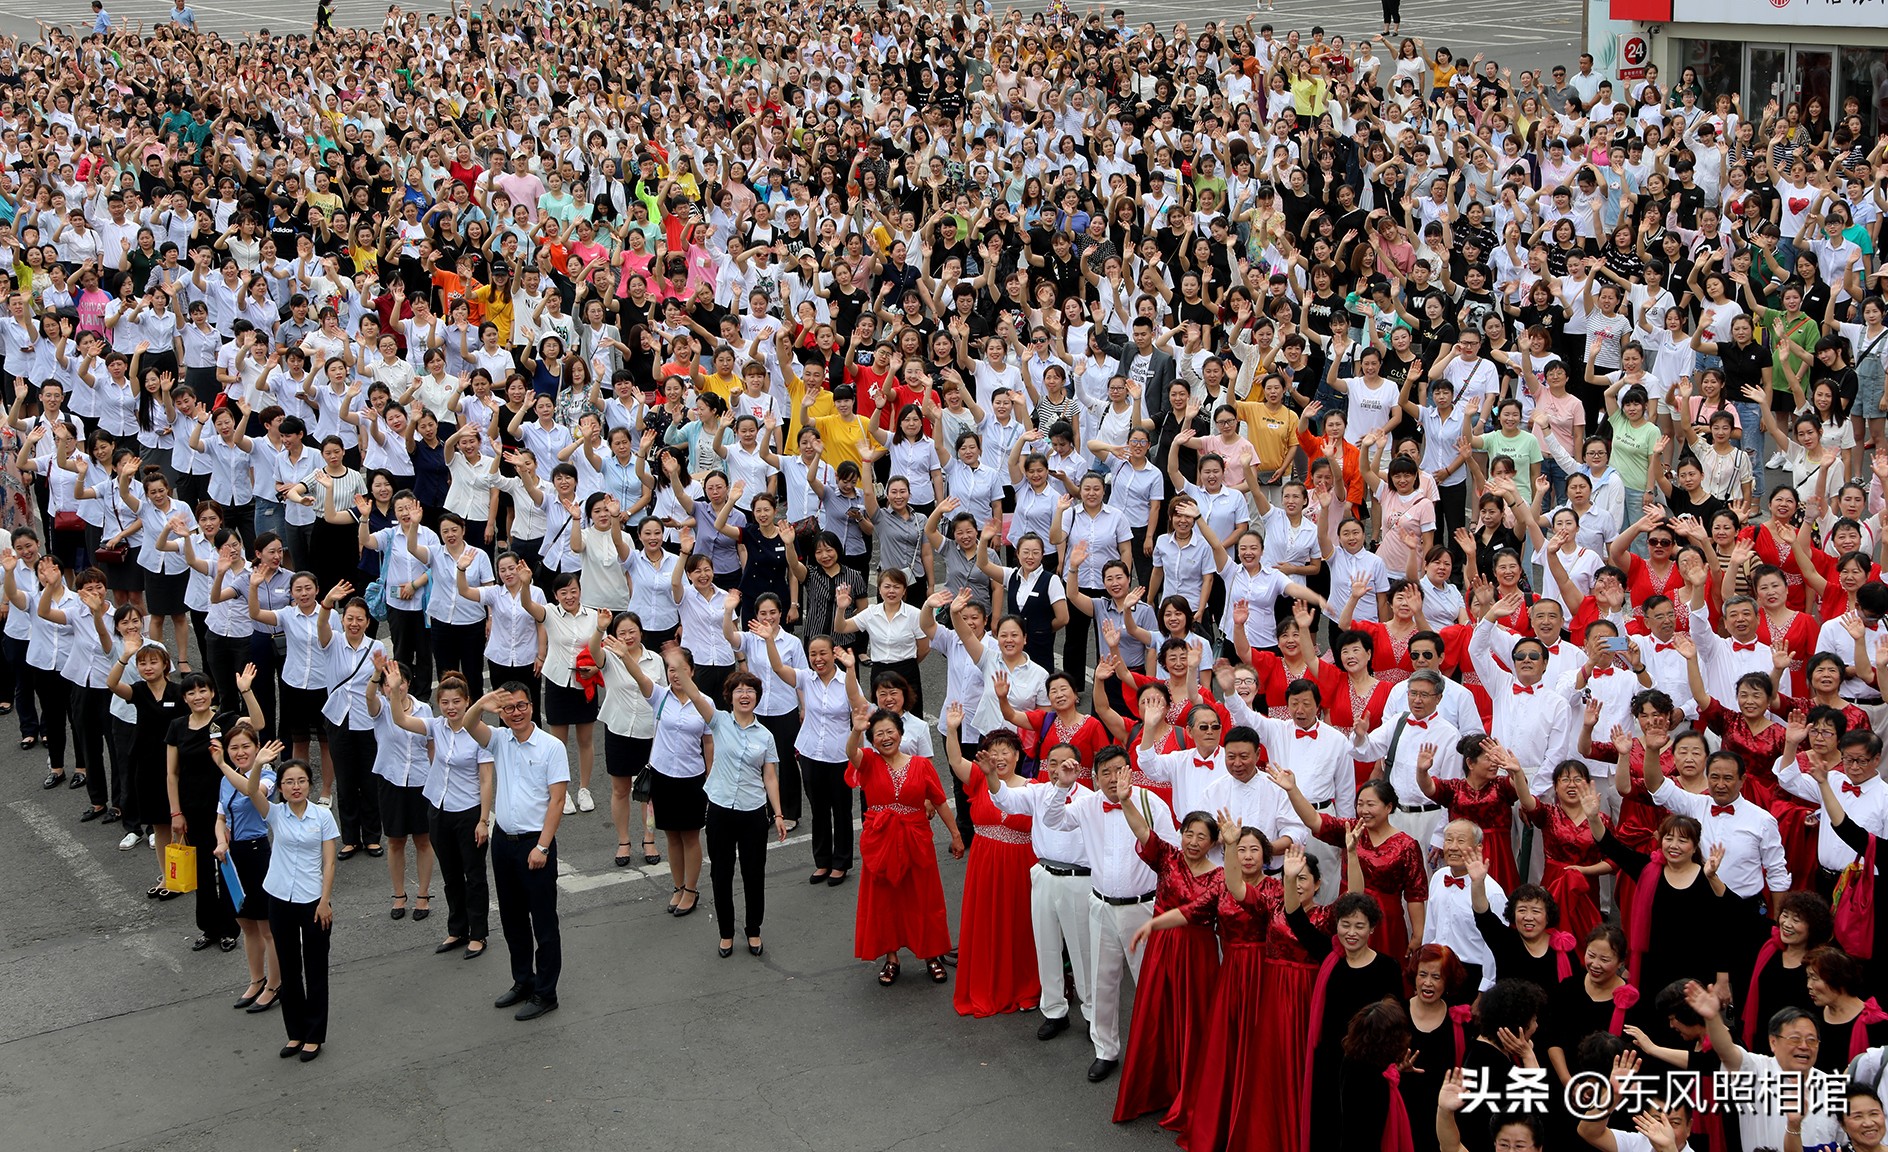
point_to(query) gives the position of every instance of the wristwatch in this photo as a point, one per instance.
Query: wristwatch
(540, 848)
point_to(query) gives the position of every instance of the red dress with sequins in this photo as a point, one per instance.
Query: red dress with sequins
(996, 947)
(901, 895)
(1285, 987)
(1566, 844)
(1174, 991)
(1389, 655)
(1393, 874)
(1492, 810)
(1799, 637)
(1757, 750)
(1226, 1102)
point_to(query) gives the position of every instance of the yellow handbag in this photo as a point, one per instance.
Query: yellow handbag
(180, 868)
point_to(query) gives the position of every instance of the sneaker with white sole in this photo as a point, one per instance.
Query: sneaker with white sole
(1775, 461)
(584, 802)
(131, 840)
(150, 839)
(570, 805)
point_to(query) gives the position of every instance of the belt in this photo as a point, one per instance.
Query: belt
(1419, 807)
(501, 834)
(1124, 901)
(1323, 805)
(1054, 868)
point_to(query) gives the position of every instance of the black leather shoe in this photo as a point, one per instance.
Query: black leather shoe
(310, 1053)
(52, 780)
(1100, 1070)
(77, 782)
(261, 1005)
(290, 1050)
(536, 1007)
(111, 817)
(200, 943)
(251, 997)
(448, 944)
(516, 994)
(91, 814)
(1051, 1028)
(724, 950)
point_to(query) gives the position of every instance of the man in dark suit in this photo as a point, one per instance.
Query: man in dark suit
(1140, 360)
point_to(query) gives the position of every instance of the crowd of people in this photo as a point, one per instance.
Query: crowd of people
(1398, 537)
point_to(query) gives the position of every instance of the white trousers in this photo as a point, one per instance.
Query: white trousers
(1110, 927)
(1058, 916)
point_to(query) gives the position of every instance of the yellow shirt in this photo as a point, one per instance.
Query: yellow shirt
(1273, 432)
(722, 386)
(497, 311)
(842, 436)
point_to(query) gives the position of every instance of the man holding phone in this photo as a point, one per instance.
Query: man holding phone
(1613, 674)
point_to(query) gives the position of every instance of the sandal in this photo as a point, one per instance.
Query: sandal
(680, 911)
(621, 859)
(674, 900)
(399, 909)
(420, 913)
(649, 854)
(938, 974)
(888, 974)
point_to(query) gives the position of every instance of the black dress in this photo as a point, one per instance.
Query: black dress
(1363, 1110)
(1495, 1067)
(1572, 1016)
(1435, 1055)
(764, 572)
(198, 782)
(1348, 990)
(150, 766)
(1512, 959)
(1680, 918)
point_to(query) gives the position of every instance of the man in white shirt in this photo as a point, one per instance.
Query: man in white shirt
(1530, 718)
(1396, 744)
(1725, 662)
(1251, 796)
(1458, 705)
(520, 812)
(1791, 1093)
(1859, 788)
(1123, 885)
(1059, 886)
(1839, 637)
(1191, 771)
(1664, 653)
(1450, 916)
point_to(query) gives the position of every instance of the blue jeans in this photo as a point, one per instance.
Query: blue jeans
(1635, 508)
(1556, 475)
(269, 516)
(1751, 439)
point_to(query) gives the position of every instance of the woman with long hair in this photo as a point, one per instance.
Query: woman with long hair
(191, 783)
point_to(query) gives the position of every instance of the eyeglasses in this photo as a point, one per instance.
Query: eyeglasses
(1528, 656)
(1660, 543)
(1207, 727)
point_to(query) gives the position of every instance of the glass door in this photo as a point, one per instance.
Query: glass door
(1812, 71)
(1768, 75)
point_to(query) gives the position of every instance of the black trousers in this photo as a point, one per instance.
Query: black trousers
(785, 727)
(91, 721)
(461, 648)
(54, 692)
(462, 868)
(216, 918)
(124, 780)
(503, 673)
(224, 657)
(356, 798)
(1075, 642)
(301, 952)
(407, 630)
(1392, 11)
(268, 671)
(18, 686)
(299, 539)
(830, 800)
(527, 911)
(733, 834)
(1452, 513)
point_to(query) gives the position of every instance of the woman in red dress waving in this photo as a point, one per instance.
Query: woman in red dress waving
(1572, 861)
(1177, 970)
(901, 895)
(1391, 860)
(996, 967)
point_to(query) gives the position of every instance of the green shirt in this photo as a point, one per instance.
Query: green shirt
(1632, 450)
(1778, 332)
(1521, 447)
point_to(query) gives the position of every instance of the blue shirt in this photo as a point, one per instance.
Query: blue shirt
(184, 18)
(738, 779)
(295, 858)
(525, 771)
(236, 809)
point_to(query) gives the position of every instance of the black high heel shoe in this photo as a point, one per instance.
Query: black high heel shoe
(681, 911)
(754, 949)
(251, 997)
(724, 950)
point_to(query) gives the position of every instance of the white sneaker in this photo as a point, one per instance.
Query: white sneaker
(150, 839)
(131, 840)
(570, 805)
(1775, 461)
(325, 801)
(584, 802)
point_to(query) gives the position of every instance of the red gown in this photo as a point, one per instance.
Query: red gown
(901, 895)
(1641, 585)
(1765, 545)
(1174, 991)
(1758, 751)
(1226, 1103)
(1285, 987)
(1456, 662)
(1799, 637)
(1565, 844)
(1343, 706)
(1491, 810)
(1389, 657)
(1043, 731)
(996, 949)
(1393, 873)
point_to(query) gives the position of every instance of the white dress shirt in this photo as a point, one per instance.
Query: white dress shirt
(1530, 720)
(1190, 774)
(1613, 686)
(1320, 757)
(1450, 920)
(1868, 808)
(1669, 674)
(1458, 706)
(452, 776)
(1118, 870)
(1753, 850)
(1416, 733)
(1055, 845)
(513, 639)
(525, 770)
(1724, 661)
(1258, 803)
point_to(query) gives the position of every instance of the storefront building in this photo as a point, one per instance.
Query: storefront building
(1820, 53)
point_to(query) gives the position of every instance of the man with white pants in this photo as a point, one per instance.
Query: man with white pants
(1059, 885)
(1123, 885)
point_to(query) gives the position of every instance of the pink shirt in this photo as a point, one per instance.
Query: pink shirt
(1398, 510)
(1563, 415)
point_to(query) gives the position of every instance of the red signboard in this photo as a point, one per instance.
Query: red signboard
(1655, 11)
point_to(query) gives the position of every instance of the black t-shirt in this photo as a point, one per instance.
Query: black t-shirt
(1743, 366)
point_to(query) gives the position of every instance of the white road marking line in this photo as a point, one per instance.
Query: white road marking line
(109, 893)
(144, 946)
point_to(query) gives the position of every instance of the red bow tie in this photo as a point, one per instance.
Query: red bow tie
(1419, 724)
(1455, 881)
(1199, 763)
(1740, 646)
(1664, 647)
(1851, 788)
(1109, 806)
(1602, 672)
(1723, 809)
(1553, 650)
(1312, 733)
(1524, 690)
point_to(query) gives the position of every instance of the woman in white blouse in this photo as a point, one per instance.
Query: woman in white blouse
(1007, 669)
(779, 706)
(350, 728)
(300, 884)
(820, 746)
(515, 641)
(893, 627)
(676, 790)
(651, 569)
(700, 603)
(568, 703)
(629, 728)
(1105, 535)
(459, 770)
(400, 766)
(304, 665)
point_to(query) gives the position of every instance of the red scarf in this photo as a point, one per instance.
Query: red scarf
(1640, 926)
(1858, 1033)
(1318, 991)
(1397, 1135)
(1624, 997)
(1459, 1016)
(1563, 945)
(1765, 954)
(584, 669)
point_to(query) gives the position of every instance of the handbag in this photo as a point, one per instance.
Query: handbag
(180, 868)
(111, 554)
(67, 520)
(643, 786)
